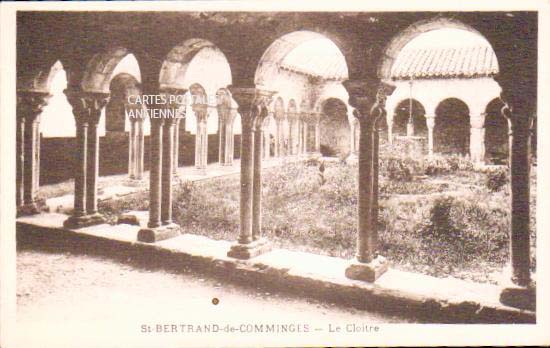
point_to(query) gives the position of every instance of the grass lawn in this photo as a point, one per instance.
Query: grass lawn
(437, 216)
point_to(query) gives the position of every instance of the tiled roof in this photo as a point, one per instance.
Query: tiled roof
(473, 61)
(318, 58)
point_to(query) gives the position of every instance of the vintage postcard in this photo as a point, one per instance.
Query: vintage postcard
(274, 174)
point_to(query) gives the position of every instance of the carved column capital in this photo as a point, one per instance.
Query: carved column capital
(251, 102)
(31, 104)
(430, 121)
(368, 97)
(87, 106)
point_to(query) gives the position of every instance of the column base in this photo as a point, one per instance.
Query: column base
(519, 297)
(367, 272)
(250, 250)
(32, 208)
(84, 221)
(156, 234)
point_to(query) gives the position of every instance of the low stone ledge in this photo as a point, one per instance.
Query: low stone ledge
(258, 272)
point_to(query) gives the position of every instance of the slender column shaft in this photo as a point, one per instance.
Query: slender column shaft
(132, 150)
(318, 136)
(167, 171)
(201, 140)
(430, 123)
(139, 150)
(222, 134)
(477, 138)
(228, 142)
(520, 190)
(20, 140)
(257, 184)
(30, 167)
(247, 173)
(306, 142)
(36, 170)
(155, 174)
(366, 237)
(92, 169)
(81, 170)
(176, 145)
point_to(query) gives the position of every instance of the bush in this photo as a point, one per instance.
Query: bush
(439, 165)
(496, 179)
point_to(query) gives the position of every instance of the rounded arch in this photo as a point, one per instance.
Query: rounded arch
(404, 110)
(279, 108)
(195, 61)
(292, 106)
(394, 47)
(335, 128)
(101, 69)
(496, 133)
(273, 59)
(452, 127)
(122, 86)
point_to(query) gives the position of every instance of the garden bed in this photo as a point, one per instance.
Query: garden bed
(440, 217)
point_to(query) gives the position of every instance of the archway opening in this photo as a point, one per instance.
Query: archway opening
(496, 134)
(335, 129)
(452, 127)
(406, 111)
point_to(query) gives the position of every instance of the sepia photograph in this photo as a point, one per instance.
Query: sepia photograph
(245, 174)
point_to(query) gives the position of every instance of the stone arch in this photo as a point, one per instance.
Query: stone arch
(394, 47)
(269, 66)
(191, 62)
(496, 133)
(101, 69)
(402, 112)
(452, 127)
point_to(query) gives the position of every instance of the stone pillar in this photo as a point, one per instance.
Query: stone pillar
(292, 141)
(160, 225)
(251, 103)
(430, 123)
(201, 138)
(140, 147)
(305, 125)
(477, 138)
(521, 293)
(176, 146)
(389, 120)
(368, 265)
(167, 170)
(87, 108)
(279, 137)
(29, 108)
(135, 149)
(410, 127)
(259, 146)
(230, 137)
(318, 133)
(155, 174)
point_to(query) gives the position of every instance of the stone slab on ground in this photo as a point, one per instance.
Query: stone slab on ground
(423, 296)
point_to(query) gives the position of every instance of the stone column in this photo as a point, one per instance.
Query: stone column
(140, 146)
(160, 225)
(430, 123)
(251, 103)
(29, 108)
(176, 146)
(167, 170)
(389, 120)
(230, 137)
(131, 149)
(521, 293)
(222, 133)
(477, 138)
(369, 106)
(155, 184)
(201, 138)
(279, 137)
(318, 133)
(87, 108)
(259, 146)
(304, 135)
(266, 138)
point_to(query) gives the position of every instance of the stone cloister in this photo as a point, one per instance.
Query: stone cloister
(265, 77)
(432, 76)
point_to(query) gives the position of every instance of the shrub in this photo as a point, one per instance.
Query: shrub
(496, 179)
(397, 169)
(439, 165)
